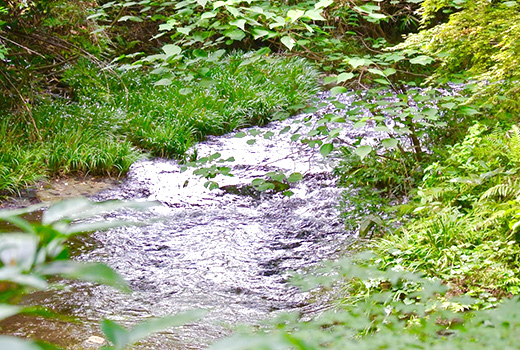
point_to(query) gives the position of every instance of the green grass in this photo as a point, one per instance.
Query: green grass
(116, 119)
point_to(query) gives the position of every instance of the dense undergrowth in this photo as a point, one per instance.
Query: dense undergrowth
(115, 120)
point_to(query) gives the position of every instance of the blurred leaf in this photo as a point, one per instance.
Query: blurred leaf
(90, 272)
(389, 143)
(344, 77)
(13, 343)
(422, 60)
(6, 213)
(171, 50)
(116, 334)
(121, 338)
(9, 310)
(82, 208)
(363, 151)
(288, 42)
(338, 90)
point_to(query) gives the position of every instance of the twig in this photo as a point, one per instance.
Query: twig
(20, 45)
(56, 64)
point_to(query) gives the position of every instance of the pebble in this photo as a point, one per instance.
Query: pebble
(95, 340)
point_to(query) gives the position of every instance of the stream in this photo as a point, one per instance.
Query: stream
(230, 251)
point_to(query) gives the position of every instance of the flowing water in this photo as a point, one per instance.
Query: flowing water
(229, 251)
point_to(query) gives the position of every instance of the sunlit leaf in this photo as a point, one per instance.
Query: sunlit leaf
(130, 18)
(315, 15)
(240, 23)
(363, 151)
(344, 77)
(171, 50)
(293, 15)
(288, 42)
(422, 59)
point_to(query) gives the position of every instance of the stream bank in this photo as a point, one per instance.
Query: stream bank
(230, 251)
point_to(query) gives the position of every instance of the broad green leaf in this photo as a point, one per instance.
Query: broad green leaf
(376, 71)
(469, 111)
(265, 186)
(163, 82)
(326, 148)
(389, 143)
(233, 10)
(240, 23)
(294, 15)
(207, 82)
(276, 176)
(344, 77)
(258, 33)
(171, 50)
(251, 141)
(448, 105)
(389, 71)
(240, 134)
(315, 15)
(209, 14)
(330, 79)
(184, 30)
(185, 91)
(423, 60)
(382, 128)
(235, 34)
(294, 177)
(338, 90)
(130, 18)
(268, 135)
(257, 182)
(323, 3)
(288, 42)
(211, 185)
(363, 151)
(356, 62)
(202, 2)
(382, 81)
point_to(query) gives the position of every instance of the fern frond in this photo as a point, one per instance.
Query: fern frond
(503, 191)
